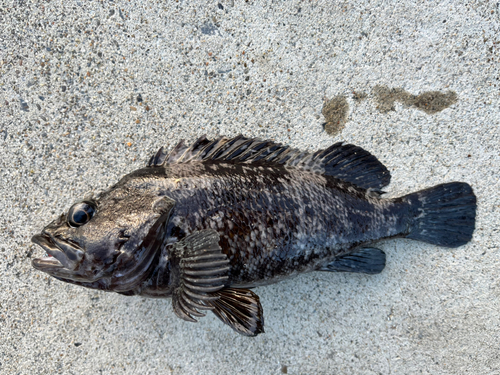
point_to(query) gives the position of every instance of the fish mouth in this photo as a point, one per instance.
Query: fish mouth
(51, 262)
(61, 254)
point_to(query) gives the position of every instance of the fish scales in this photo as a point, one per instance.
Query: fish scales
(205, 223)
(272, 221)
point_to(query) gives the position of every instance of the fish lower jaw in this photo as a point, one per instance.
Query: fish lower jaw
(46, 263)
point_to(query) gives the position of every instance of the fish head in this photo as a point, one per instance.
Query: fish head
(107, 243)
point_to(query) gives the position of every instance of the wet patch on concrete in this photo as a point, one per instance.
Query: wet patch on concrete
(335, 111)
(359, 96)
(430, 102)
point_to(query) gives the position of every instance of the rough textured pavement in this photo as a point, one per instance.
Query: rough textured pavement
(90, 89)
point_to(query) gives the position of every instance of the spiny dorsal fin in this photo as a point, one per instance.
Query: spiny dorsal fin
(345, 162)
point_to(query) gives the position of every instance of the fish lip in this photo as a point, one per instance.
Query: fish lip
(52, 262)
(72, 251)
(46, 264)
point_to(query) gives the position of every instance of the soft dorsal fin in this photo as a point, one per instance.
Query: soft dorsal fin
(345, 162)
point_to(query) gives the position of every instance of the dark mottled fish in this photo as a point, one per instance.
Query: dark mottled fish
(204, 224)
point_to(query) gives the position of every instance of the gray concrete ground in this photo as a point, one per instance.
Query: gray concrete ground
(90, 89)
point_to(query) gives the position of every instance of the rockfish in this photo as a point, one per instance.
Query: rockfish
(206, 223)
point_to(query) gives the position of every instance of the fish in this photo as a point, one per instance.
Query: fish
(206, 223)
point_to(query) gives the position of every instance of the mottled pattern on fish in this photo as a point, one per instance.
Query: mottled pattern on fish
(273, 221)
(203, 223)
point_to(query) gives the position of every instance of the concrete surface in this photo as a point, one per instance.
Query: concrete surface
(71, 73)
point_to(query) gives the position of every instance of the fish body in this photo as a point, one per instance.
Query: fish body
(272, 222)
(203, 224)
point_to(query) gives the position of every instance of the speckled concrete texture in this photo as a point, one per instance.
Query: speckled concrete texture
(90, 89)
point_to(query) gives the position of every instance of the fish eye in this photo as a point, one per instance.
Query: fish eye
(81, 213)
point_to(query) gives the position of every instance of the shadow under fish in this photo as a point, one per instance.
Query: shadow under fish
(206, 223)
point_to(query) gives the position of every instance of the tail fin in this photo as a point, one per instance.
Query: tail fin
(445, 214)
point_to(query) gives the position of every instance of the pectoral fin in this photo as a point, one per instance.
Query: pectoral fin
(240, 309)
(365, 260)
(199, 268)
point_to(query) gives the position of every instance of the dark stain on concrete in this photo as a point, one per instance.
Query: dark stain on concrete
(359, 96)
(335, 111)
(430, 102)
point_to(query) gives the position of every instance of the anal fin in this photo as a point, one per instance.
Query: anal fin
(240, 309)
(365, 260)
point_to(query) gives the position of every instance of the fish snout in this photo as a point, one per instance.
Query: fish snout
(61, 252)
(50, 262)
